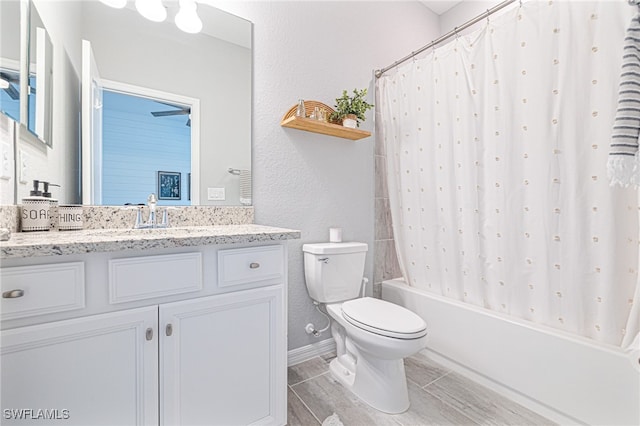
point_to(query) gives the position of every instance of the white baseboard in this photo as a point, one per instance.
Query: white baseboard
(305, 353)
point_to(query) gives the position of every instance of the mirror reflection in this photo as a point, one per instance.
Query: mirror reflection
(10, 59)
(36, 96)
(39, 84)
(153, 92)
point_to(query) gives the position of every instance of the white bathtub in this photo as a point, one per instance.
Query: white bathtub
(568, 378)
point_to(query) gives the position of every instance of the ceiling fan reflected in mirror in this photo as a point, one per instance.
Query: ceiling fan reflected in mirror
(182, 110)
(8, 83)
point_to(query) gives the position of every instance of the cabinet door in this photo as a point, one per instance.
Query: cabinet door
(97, 370)
(223, 359)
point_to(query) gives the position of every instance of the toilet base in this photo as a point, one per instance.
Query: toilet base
(382, 384)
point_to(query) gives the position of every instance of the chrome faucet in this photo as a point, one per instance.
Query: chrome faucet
(152, 221)
(152, 201)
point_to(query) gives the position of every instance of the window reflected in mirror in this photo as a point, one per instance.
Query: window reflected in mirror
(140, 138)
(10, 93)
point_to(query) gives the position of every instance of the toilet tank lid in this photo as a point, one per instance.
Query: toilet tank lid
(334, 248)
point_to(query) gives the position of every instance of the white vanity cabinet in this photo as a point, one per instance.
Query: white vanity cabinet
(220, 359)
(209, 350)
(101, 369)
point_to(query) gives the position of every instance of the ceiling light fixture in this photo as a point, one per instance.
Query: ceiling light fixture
(153, 10)
(187, 18)
(118, 4)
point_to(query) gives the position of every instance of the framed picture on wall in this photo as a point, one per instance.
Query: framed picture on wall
(169, 186)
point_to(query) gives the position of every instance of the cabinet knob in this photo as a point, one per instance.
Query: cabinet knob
(13, 294)
(168, 330)
(149, 333)
(254, 265)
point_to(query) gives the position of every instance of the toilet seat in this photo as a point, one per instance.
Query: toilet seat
(384, 318)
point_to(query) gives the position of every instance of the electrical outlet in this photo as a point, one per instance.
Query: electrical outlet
(24, 164)
(216, 194)
(5, 161)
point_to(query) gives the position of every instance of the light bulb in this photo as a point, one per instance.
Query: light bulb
(187, 19)
(153, 10)
(118, 4)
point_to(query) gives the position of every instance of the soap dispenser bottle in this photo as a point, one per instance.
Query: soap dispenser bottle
(36, 214)
(53, 206)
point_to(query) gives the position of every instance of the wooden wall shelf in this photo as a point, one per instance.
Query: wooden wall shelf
(292, 121)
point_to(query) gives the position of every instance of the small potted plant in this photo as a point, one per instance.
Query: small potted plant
(350, 110)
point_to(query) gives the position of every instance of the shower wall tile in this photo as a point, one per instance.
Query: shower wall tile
(383, 228)
(386, 262)
(392, 269)
(377, 290)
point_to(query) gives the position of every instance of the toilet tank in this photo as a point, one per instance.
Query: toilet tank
(333, 271)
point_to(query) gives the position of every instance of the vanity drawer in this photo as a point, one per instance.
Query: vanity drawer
(253, 265)
(146, 277)
(42, 289)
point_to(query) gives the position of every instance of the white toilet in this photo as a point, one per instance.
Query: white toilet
(372, 336)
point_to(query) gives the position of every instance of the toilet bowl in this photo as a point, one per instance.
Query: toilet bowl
(372, 336)
(370, 350)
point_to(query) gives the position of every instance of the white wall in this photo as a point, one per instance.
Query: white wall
(10, 40)
(61, 164)
(314, 50)
(7, 136)
(463, 12)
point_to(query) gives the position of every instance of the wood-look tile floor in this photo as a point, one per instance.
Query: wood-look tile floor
(438, 396)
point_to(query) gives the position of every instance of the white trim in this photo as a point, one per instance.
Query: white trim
(24, 62)
(193, 103)
(10, 64)
(305, 353)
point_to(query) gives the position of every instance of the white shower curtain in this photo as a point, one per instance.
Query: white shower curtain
(496, 148)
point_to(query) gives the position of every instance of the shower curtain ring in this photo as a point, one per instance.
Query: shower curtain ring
(488, 13)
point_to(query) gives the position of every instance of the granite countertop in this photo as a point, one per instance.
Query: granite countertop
(32, 244)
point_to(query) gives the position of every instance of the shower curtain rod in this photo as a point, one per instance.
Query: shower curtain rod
(448, 35)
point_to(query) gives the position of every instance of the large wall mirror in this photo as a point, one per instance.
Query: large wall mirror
(161, 110)
(39, 83)
(26, 50)
(10, 59)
